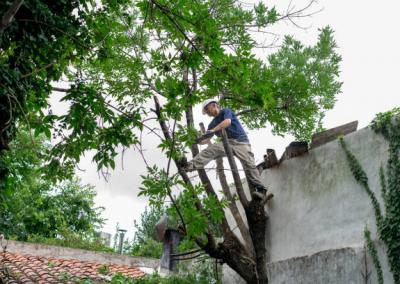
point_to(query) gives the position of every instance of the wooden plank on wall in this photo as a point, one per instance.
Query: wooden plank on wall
(326, 136)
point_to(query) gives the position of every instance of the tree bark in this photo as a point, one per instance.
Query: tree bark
(233, 254)
(257, 219)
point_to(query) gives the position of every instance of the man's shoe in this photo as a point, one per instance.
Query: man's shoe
(261, 189)
(260, 192)
(189, 167)
(185, 165)
(183, 162)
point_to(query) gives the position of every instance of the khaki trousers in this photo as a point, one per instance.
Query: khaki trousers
(241, 150)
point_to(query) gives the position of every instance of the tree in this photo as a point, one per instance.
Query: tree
(156, 59)
(39, 40)
(143, 243)
(36, 207)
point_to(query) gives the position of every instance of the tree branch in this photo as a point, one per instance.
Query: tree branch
(167, 136)
(116, 109)
(37, 70)
(166, 12)
(9, 15)
(57, 29)
(182, 173)
(61, 90)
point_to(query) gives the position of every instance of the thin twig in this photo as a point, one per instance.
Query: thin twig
(167, 136)
(37, 70)
(57, 29)
(122, 157)
(26, 119)
(179, 28)
(172, 147)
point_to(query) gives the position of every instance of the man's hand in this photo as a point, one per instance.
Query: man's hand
(208, 132)
(205, 137)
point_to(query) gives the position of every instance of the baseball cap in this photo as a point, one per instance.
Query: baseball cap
(206, 103)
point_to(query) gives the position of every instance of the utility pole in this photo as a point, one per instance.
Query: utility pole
(121, 239)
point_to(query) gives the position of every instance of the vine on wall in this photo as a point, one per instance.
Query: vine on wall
(388, 223)
(374, 254)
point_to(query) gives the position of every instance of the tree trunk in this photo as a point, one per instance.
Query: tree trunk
(233, 255)
(256, 219)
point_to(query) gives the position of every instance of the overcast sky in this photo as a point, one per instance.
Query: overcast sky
(367, 34)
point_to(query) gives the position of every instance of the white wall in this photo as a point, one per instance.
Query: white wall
(317, 203)
(319, 212)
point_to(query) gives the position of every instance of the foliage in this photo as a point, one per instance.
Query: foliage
(148, 220)
(387, 124)
(201, 275)
(361, 177)
(104, 269)
(36, 47)
(41, 41)
(87, 241)
(388, 224)
(296, 87)
(147, 248)
(374, 254)
(291, 90)
(203, 270)
(34, 208)
(125, 56)
(143, 243)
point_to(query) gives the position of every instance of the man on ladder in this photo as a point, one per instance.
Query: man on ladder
(226, 119)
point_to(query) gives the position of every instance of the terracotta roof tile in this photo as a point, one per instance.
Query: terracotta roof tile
(17, 268)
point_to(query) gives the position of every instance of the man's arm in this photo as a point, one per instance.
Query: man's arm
(203, 142)
(224, 124)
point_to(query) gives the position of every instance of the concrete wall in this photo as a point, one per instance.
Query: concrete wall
(84, 255)
(319, 212)
(350, 265)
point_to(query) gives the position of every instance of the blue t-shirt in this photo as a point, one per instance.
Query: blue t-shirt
(235, 130)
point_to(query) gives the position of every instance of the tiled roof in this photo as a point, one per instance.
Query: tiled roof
(17, 268)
